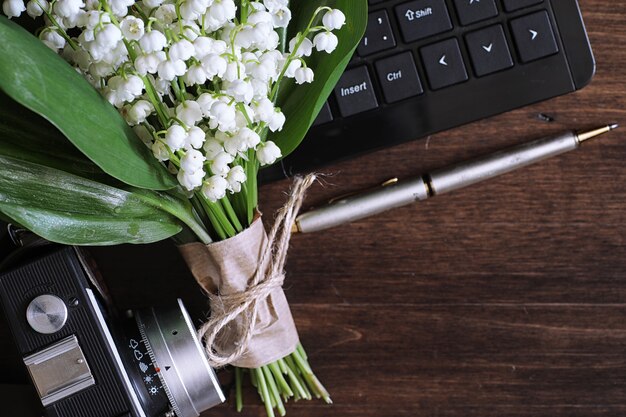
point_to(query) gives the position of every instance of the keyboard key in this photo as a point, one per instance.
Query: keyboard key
(354, 92)
(511, 5)
(378, 35)
(489, 50)
(324, 116)
(398, 77)
(422, 18)
(444, 64)
(534, 36)
(472, 11)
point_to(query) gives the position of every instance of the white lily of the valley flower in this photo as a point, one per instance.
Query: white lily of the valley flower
(149, 63)
(326, 41)
(168, 70)
(132, 28)
(153, 41)
(175, 137)
(236, 176)
(53, 40)
(34, 8)
(68, 8)
(13, 8)
(304, 75)
(190, 180)
(334, 19)
(267, 153)
(222, 116)
(220, 163)
(212, 148)
(182, 50)
(277, 121)
(160, 151)
(214, 65)
(214, 188)
(139, 112)
(195, 138)
(189, 112)
(192, 161)
(304, 49)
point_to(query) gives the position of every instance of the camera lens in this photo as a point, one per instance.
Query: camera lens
(166, 363)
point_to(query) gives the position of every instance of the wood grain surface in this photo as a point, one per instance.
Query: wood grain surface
(504, 299)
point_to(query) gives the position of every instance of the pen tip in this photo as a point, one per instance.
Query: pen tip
(613, 126)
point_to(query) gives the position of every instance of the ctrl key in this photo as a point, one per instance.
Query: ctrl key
(354, 92)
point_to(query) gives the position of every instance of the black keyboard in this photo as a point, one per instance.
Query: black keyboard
(425, 66)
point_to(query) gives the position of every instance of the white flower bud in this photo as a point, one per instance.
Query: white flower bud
(219, 164)
(153, 41)
(52, 39)
(13, 8)
(132, 28)
(168, 70)
(192, 161)
(241, 91)
(305, 48)
(222, 116)
(68, 8)
(263, 110)
(149, 63)
(290, 72)
(235, 145)
(189, 112)
(326, 41)
(277, 121)
(33, 8)
(211, 148)
(267, 153)
(249, 137)
(214, 188)
(334, 19)
(236, 176)
(166, 14)
(139, 112)
(190, 181)
(160, 152)
(175, 137)
(205, 101)
(195, 75)
(182, 50)
(214, 65)
(304, 75)
(195, 138)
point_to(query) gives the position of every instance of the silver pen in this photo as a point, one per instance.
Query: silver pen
(396, 193)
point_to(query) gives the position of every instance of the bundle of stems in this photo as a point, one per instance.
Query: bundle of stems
(288, 378)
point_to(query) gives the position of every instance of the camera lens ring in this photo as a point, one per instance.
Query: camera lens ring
(188, 380)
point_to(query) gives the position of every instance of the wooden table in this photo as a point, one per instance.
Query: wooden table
(504, 299)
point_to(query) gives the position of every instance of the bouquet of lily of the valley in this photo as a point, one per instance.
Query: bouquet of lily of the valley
(157, 128)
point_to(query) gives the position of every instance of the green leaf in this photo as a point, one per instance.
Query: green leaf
(37, 78)
(28, 137)
(301, 104)
(68, 209)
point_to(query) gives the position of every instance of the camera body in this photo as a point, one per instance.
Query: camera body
(149, 364)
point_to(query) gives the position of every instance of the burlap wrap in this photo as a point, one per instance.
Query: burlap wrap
(226, 268)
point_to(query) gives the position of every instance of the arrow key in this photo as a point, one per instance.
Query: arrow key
(534, 36)
(444, 64)
(489, 50)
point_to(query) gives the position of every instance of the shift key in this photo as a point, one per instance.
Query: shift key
(354, 92)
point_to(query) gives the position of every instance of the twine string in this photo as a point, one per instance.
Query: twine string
(243, 306)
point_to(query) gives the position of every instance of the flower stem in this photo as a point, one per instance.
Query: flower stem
(238, 384)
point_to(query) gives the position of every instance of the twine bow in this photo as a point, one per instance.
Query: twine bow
(270, 275)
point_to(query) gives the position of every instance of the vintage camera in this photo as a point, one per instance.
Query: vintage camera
(85, 361)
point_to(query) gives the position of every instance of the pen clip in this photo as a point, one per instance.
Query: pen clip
(389, 182)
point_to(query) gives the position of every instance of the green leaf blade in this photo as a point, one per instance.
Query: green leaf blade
(40, 80)
(68, 209)
(301, 104)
